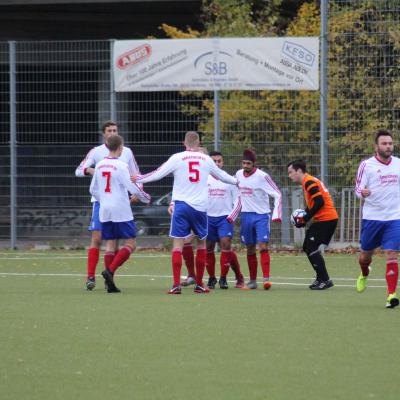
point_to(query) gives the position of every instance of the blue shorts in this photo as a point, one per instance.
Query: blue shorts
(95, 224)
(254, 228)
(186, 219)
(383, 234)
(118, 230)
(219, 227)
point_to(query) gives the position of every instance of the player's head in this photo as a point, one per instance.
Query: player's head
(384, 144)
(115, 144)
(296, 170)
(248, 160)
(109, 128)
(192, 140)
(218, 158)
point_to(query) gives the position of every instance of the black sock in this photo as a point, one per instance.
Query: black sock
(318, 263)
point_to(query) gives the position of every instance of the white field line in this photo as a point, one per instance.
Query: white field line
(153, 277)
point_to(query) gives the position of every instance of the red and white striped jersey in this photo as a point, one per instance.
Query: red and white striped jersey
(99, 153)
(223, 199)
(110, 185)
(383, 180)
(190, 170)
(255, 190)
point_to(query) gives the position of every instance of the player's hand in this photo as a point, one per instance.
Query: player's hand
(300, 222)
(134, 199)
(229, 219)
(171, 209)
(134, 178)
(365, 192)
(89, 171)
(278, 220)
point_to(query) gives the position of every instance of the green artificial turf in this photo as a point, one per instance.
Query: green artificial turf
(59, 341)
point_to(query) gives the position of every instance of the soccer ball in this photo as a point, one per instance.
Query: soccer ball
(296, 213)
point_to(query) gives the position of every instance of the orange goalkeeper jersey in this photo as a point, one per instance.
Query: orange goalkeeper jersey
(313, 187)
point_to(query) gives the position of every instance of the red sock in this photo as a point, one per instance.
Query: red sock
(235, 265)
(108, 258)
(93, 259)
(176, 266)
(225, 263)
(200, 265)
(122, 255)
(210, 264)
(392, 275)
(188, 256)
(265, 263)
(364, 267)
(253, 264)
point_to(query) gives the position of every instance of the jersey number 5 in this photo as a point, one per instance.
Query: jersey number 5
(194, 171)
(107, 174)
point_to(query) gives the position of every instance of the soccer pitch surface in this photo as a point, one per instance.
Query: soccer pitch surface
(59, 341)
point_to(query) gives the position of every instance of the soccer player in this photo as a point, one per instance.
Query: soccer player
(86, 168)
(255, 188)
(110, 185)
(321, 210)
(190, 169)
(223, 208)
(377, 183)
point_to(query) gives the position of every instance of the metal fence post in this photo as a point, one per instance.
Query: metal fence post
(13, 143)
(324, 92)
(113, 98)
(217, 131)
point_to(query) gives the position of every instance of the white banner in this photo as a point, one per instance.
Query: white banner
(289, 63)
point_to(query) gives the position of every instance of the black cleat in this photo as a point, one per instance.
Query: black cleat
(223, 284)
(322, 285)
(212, 282)
(109, 281)
(90, 283)
(314, 284)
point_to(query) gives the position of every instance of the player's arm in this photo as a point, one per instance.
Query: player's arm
(221, 174)
(94, 187)
(133, 188)
(237, 204)
(315, 194)
(360, 189)
(273, 191)
(85, 168)
(162, 171)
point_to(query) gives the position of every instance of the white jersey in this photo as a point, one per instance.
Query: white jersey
(99, 153)
(255, 190)
(190, 169)
(110, 185)
(383, 204)
(223, 199)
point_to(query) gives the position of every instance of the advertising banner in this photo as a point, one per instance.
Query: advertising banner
(286, 63)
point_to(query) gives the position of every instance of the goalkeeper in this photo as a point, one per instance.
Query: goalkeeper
(322, 212)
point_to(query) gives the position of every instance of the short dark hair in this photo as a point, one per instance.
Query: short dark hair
(107, 124)
(113, 142)
(382, 132)
(298, 164)
(215, 153)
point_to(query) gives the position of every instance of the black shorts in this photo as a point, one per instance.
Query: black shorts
(319, 233)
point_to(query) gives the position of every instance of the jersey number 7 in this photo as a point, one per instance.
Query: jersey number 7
(107, 174)
(194, 171)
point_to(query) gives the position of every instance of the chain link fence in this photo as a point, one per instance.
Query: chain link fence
(63, 93)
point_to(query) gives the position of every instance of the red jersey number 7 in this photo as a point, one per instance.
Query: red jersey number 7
(194, 171)
(107, 174)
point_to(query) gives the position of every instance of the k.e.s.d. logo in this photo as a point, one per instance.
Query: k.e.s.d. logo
(134, 56)
(211, 66)
(298, 53)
